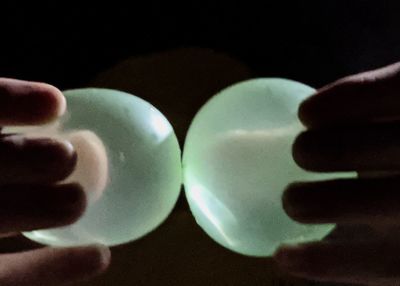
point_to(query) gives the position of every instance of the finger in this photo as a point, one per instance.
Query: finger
(23, 102)
(24, 160)
(53, 266)
(9, 234)
(363, 148)
(345, 201)
(29, 207)
(371, 263)
(367, 97)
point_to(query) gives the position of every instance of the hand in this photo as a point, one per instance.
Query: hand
(353, 125)
(29, 197)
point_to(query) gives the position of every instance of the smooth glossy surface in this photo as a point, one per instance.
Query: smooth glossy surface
(237, 162)
(128, 162)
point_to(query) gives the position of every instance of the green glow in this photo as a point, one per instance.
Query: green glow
(144, 169)
(237, 161)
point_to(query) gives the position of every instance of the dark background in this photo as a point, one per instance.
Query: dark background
(213, 44)
(311, 41)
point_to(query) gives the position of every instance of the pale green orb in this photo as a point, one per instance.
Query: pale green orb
(237, 161)
(140, 184)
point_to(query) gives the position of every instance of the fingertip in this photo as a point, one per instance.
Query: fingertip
(280, 254)
(104, 260)
(27, 103)
(66, 148)
(286, 200)
(59, 155)
(59, 101)
(73, 203)
(99, 258)
(324, 107)
(313, 110)
(294, 202)
(290, 257)
(289, 193)
(307, 260)
(66, 159)
(37, 160)
(303, 112)
(302, 151)
(69, 152)
(54, 265)
(84, 262)
(56, 102)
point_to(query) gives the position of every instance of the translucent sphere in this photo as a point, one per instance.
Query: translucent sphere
(237, 161)
(129, 164)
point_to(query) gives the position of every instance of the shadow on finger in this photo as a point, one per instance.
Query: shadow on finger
(29, 207)
(373, 147)
(345, 201)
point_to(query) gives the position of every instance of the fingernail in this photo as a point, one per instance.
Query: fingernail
(70, 153)
(62, 146)
(101, 258)
(67, 147)
(54, 97)
(55, 156)
(62, 104)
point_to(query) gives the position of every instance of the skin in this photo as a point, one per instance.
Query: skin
(31, 199)
(352, 124)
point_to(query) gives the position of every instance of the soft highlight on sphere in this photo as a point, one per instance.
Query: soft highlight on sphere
(129, 165)
(237, 162)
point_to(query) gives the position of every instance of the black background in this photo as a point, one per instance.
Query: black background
(310, 41)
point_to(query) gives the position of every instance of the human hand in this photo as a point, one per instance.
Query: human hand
(353, 125)
(29, 196)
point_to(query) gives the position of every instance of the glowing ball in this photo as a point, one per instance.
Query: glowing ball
(129, 165)
(237, 161)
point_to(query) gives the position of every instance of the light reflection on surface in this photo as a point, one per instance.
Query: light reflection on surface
(160, 125)
(214, 210)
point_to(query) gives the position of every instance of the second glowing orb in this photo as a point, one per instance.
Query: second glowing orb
(237, 161)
